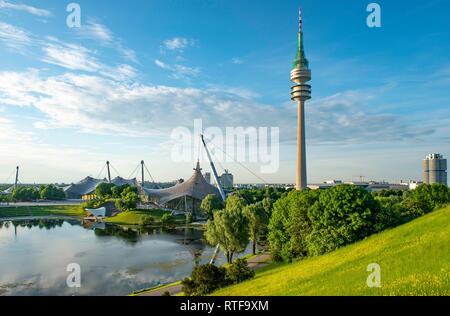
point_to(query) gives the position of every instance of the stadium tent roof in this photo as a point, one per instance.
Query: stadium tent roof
(8, 190)
(196, 187)
(88, 185)
(121, 181)
(85, 186)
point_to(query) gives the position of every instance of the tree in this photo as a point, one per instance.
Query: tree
(424, 199)
(289, 225)
(26, 194)
(104, 190)
(229, 228)
(210, 204)
(128, 199)
(258, 221)
(51, 192)
(342, 215)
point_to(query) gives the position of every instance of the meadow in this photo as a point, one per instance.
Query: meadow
(414, 260)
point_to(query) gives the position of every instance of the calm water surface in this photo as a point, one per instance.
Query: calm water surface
(34, 255)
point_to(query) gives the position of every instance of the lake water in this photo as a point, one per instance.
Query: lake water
(34, 255)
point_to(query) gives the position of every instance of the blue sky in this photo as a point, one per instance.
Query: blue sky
(115, 88)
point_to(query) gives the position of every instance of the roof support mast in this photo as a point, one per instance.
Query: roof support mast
(142, 171)
(109, 172)
(17, 177)
(219, 186)
(213, 168)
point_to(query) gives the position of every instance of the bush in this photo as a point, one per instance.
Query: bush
(343, 214)
(204, 280)
(147, 220)
(167, 218)
(238, 272)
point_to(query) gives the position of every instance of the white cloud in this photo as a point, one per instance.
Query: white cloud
(178, 71)
(9, 133)
(26, 8)
(95, 31)
(237, 61)
(178, 43)
(76, 57)
(101, 33)
(13, 36)
(95, 104)
(70, 56)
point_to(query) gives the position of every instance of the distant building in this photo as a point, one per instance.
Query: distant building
(434, 169)
(208, 177)
(227, 180)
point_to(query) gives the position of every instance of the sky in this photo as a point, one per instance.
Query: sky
(117, 86)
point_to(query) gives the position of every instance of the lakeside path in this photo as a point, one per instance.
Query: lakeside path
(174, 289)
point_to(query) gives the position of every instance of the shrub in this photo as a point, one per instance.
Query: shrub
(205, 279)
(239, 272)
(147, 220)
(167, 218)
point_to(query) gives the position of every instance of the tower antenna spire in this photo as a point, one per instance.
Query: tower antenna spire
(300, 20)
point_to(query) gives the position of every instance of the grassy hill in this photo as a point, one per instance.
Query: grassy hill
(414, 260)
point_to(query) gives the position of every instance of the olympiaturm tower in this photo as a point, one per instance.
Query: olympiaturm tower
(301, 92)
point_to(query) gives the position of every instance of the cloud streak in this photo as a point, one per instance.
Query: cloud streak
(25, 8)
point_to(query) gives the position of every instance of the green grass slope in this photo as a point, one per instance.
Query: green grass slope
(414, 260)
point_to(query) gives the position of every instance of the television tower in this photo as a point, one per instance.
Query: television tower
(301, 92)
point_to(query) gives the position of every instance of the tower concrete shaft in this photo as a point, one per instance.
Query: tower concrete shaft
(300, 93)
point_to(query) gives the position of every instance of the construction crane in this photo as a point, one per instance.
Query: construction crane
(219, 186)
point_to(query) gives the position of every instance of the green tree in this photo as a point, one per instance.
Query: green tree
(104, 190)
(258, 221)
(290, 226)
(342, 215)
(424, 199)
(210, 204)
(229, 228)
(26, 194)
(51, 192)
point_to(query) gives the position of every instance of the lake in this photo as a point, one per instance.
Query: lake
(114, 260)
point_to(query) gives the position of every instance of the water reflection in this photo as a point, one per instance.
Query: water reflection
(114, 260)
